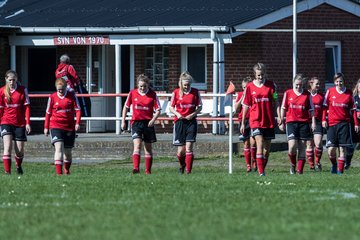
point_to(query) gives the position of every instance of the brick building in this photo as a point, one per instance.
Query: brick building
(110, 43)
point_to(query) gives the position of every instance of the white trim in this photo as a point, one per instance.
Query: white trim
(302, 6)
(184, 63)
(144, 39)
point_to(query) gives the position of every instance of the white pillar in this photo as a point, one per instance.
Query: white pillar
(294, 38)
(215, 81)
(88, 77)
(13, 57)
(221, 82)
(132, 67)
(118, 86)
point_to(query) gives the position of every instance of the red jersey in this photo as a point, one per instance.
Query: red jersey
(260, 101)
(143, 104)
(186, 104)
(16, 112)
(318, 100)
(238, 98)
(60, 111)
(297, 106)
(68, 73)
(338, 106)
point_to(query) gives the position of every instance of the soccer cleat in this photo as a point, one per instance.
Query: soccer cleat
(147, 171)
(334, 169)
(182, 170)
(347, 166)
(292, 170)
(339, 172)
(318, 167)
(262, 175)
(254, 166)
(66, 171)
(312, 168)
(248, 168)
(135, 171)
(19, 170)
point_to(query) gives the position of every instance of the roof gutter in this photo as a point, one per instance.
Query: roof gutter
(139, 29)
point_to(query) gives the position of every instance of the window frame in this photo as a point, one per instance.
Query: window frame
(184, 64)
(336, 47)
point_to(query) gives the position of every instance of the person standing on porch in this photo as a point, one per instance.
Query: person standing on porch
(15, 120)
(146, 109)
(185, 104)
(67, 71)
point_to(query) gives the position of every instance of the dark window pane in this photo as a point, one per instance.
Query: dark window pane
(196, 63)
(329, 64)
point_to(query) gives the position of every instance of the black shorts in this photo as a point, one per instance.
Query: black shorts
(339, 135)
(18, 133)
(267, 133)
(140, 129)
(298, 131)
(184, 131)
(246, 135)
(59, 135)
(318, 128)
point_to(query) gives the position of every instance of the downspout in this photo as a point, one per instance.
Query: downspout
(215, 78)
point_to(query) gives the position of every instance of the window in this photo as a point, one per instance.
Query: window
(157, 66)
(194, 61)
(332, 61)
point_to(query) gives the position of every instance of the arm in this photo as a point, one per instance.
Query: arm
(27, 118)
(47, 117)
(155, 116)
(172, 107)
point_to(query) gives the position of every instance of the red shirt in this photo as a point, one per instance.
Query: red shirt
(60, 111)
(143, 105)
(338, 106)
(318, 100)
(297, 106)
(186, 104)
(16, 112)
(68, 73)
(238, 98)
(260, 102)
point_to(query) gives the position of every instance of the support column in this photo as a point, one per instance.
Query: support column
(215, 80)
(118, 82)
(13, 57)
(221, 83)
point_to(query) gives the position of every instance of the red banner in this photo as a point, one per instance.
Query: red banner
(81, 40)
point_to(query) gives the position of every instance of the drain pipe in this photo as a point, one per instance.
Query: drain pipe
(215, 78)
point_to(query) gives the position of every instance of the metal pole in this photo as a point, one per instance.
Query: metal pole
(118, 85)
(215, 79)
(230, 138)
(13, 57)
(294, 38)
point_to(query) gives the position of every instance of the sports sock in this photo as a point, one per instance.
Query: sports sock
(247, 156)
(292, 159)
(301, 164)
(181, 159)
(260, 163)
(189, 158)
(136, 160)
(253, 154)
(310, 157)
(265, 159)
(58, 167)
(318, 154)
(18, 161)
(341, 162)
(333, 159)
(67, 165)
(148, 162)
(7, 163)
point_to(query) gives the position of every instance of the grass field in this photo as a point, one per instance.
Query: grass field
(105, 201)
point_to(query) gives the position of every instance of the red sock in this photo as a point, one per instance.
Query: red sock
(253, 154)
(265, 159)
(7, 163)
(67, 165)
(318, 154)
(292, 158)
(58, 167)
(181, 159)
(341, 163)
(301, 164)
(247, 155)
(189, 158)
(333, 159)
(148, 162)
(136, 160)
(18, 161)
(310, 157)
(260, 162)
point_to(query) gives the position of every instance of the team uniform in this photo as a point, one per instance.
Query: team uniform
(260, 101)
(298, 108)
(67, 72)
(338, 107)
(14, 116)
(143, 107)
(59, 117)
(185, 130)
(317, 100)
(249, 154)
